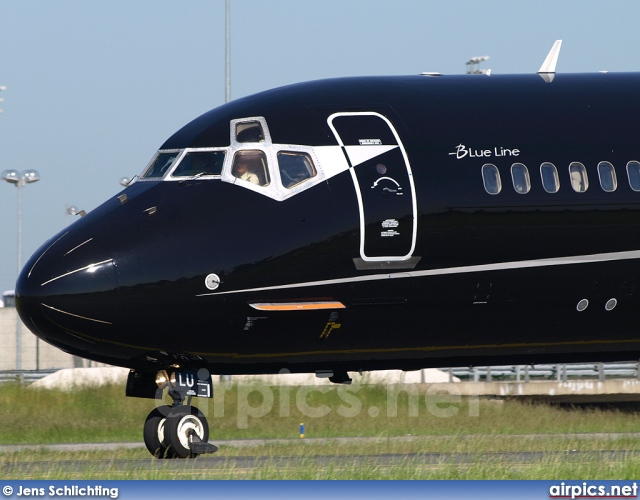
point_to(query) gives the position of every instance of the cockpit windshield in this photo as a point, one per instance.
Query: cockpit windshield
(250, 161)
(200, 163)
(160, 165)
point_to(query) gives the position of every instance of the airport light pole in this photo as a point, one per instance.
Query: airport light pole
(69, 210)
(227, 96)
(20, 179)
(226, 379)
(473, 65)
(2, 87)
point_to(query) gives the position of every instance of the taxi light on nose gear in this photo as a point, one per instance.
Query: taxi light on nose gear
(161, 379)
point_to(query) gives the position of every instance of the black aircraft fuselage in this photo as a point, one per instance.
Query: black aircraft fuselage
(362, 224)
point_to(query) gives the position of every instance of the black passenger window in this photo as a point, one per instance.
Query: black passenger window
(200, 163)
(160, 165)
(607, 175)
(633, 172)
(579, 179)
(251, 166)
(491, 178)
(520, 177)
(295, 168)
(550, 180)
(249, 132)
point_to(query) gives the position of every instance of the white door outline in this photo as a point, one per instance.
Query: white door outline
(359, 154)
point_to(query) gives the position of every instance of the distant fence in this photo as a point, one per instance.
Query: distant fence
(516, 373)
(559, 372)
(24, 376)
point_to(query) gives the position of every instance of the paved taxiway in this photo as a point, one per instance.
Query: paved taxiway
(246, 443)
(249, 464)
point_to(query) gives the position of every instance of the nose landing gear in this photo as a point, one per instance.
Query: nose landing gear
(177, 432)
(180, 430)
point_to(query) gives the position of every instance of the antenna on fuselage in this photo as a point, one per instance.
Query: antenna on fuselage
(548, 69)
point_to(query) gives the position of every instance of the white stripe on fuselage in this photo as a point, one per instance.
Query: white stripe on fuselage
(501, 266)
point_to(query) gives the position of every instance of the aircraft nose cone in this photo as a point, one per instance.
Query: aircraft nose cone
(67, 293)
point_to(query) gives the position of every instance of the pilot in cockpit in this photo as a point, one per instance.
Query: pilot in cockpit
(241, 171)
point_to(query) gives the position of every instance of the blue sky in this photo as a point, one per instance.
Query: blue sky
(95, 87)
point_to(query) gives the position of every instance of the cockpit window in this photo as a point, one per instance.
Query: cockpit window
(200, 163)
(251, 166)
(160, 165)
(249, 132)
(295, 168)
